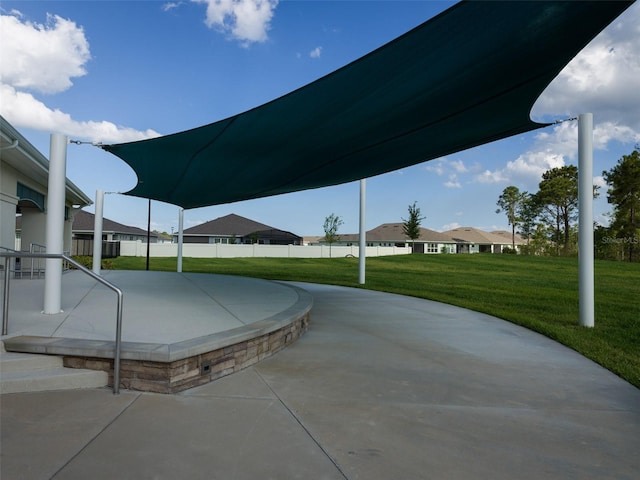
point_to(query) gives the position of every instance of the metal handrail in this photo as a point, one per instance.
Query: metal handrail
(98, 278)
(32, 249)
(7, 266)
(43, 249)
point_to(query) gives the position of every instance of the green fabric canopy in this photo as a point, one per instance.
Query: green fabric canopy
(464, 78)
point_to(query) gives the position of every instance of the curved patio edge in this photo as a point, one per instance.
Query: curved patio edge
(173, 367)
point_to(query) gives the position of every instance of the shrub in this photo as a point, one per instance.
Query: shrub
(87, 262)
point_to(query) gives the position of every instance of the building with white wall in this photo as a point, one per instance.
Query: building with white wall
(458, 240)
(234, 229)
(24, 178)
(392, 235)
(474, 240)
(83, 229)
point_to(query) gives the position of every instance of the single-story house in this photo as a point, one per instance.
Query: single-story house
(392, 235)
(84, 223)
(458, 240)
(312, 240)
(112, 233)
(519, 240)
(474, 240)
(233, 228)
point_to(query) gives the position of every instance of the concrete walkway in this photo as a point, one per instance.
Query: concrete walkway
(381, 387)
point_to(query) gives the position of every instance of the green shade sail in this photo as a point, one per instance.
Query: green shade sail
(467, 77)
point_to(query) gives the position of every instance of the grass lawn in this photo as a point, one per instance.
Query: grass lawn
(540, 293)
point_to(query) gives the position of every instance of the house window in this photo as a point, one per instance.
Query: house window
(432, 248)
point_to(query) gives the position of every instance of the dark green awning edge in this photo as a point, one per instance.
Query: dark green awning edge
(467, 77)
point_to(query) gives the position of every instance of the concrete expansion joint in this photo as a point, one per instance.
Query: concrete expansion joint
(299, 421)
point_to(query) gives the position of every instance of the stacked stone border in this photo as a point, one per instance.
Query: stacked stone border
(172, 377)
(171, 368)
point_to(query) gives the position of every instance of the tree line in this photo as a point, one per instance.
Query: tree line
(547, 218)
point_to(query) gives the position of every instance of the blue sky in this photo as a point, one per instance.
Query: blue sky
(116, 71)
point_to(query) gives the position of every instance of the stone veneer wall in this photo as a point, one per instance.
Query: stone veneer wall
(172, 377)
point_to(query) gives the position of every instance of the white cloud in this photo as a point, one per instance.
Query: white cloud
(44, 59)
(453, 181)
(244, 20)
(167, 7)
(606, 132)
(599, 181)
(549, 151)
(23, 110)
(316, 52)
(451, 168)
(458, 166)
(435, 166)
(552, 149)
(490, 177)
(602, 79)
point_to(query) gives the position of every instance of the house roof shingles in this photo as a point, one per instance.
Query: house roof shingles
(474, 235)
(394, 232)
(231, 224)
(507, 236)
(85, 222)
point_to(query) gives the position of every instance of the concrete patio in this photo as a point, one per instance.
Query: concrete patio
(381, 386)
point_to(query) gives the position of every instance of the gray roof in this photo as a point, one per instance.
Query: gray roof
(394, 232)
(507, 235)
(231, 224)
(475, 235)
(85, 222)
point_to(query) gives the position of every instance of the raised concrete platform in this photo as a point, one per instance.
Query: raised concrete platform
(179, 330)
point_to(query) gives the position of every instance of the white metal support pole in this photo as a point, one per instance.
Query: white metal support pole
(148, 234)
(55, 222)
(585, 219)
(362, 255)
(180, 228)
(97, 232)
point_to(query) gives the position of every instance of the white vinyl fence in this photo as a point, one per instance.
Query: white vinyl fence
(217, 250)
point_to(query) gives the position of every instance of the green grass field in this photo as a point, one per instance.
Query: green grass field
(540, 293)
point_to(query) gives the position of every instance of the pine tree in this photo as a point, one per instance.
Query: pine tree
(558, 198)
(411, 227)
(509, 203)
(624, 194)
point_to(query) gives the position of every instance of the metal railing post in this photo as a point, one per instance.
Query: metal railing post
(117, 353)
(98, 278)
(5, 295)
(40, 249)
